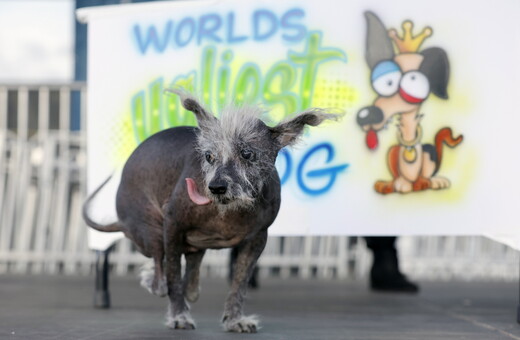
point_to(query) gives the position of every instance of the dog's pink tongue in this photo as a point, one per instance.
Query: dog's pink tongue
(194, 194)
(372, 139)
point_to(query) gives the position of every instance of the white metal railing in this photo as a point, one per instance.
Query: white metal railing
(42, 185)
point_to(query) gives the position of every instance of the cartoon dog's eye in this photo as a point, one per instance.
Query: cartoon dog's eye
(247, 154)
(386, 77)
(209, 157)
(415, 87)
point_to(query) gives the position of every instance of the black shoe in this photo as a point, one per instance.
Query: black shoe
(385, 275)
(396, 283)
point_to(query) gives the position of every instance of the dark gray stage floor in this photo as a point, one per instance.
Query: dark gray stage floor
(60, 308)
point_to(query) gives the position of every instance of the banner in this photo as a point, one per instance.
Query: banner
(428, 143)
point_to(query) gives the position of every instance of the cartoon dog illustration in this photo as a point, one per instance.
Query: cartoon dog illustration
(403, 81)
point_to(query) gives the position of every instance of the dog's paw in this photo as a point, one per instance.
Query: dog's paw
(402, 185)
(180, 321)
(383, 187)
(440, 183)
(242, 324)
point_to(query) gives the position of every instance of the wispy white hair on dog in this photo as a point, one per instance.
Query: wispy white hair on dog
(234, 120)
(290, 130)
(236, 123)
(240, 120)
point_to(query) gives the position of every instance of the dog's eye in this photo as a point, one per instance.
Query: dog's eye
(415, 87)
(385, 78)
(209, 157)
(247, 154)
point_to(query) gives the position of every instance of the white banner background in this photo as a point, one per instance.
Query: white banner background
(134, 51)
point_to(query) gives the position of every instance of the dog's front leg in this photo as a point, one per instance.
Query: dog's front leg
(178, 315)
(248, 253)
(191, 276)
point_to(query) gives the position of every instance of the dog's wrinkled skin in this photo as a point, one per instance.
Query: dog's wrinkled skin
(186, 189)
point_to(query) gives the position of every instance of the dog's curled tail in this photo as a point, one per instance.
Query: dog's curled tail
(445, 136)
(113, 227)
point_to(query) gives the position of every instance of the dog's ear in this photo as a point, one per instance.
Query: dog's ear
(287, 132)
(378, 44)
(436, 67)
(190, 103)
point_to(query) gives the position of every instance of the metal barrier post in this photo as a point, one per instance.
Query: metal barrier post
(102, 294)
(518, 306)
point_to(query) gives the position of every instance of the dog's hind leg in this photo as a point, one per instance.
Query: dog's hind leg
(233, 319)
(191, 276)
(178, 315)
(152, 277)
(159, 285)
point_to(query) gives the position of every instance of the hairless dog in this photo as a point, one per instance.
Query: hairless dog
(188, 189)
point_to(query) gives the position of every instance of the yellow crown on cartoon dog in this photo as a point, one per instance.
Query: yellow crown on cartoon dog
(408, 43)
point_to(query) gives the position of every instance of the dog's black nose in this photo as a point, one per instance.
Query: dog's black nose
(369, 115)
(218, 187)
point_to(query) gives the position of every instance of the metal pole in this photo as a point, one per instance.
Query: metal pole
(102, 295)
(518, 306)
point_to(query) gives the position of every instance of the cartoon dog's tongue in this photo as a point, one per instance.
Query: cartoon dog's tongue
(372, 139)
(194, 194)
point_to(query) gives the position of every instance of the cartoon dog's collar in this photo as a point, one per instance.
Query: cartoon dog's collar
(410, 153)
